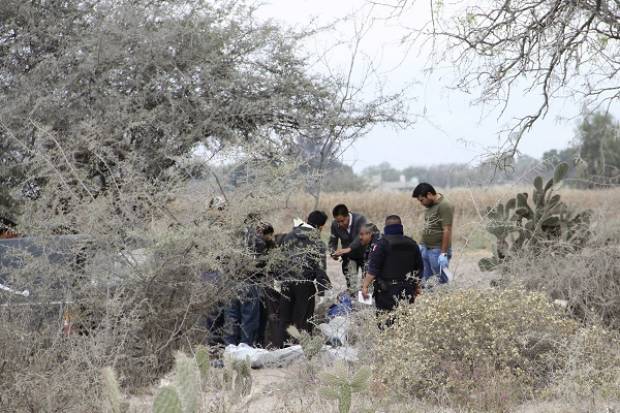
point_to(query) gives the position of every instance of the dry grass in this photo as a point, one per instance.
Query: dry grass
(470, 206)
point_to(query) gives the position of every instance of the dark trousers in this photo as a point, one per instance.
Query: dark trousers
(243, 318)
(269, 332)
(388, 295)
(296, 307)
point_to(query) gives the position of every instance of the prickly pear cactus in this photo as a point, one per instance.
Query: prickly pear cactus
(111, 391)
(311, 346)
(167, 401)
(203, 360)
(187, 382)
(338, 385)
(517, 225)
(243, 377)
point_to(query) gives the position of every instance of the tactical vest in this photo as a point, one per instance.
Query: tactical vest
(400, 258)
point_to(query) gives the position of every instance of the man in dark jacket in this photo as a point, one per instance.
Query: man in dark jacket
(306, 265)
(243, 315)
(395, 267)
(346, 227)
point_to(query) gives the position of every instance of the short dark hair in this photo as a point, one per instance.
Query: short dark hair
(393, 219)
(265, 228)
(340, 210)
(317, 218)
(252, 218)
(423, 189)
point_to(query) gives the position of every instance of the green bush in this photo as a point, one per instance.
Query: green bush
(479, 348)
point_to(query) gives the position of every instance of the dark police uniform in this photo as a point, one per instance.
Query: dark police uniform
(306, 264)
(396, 263)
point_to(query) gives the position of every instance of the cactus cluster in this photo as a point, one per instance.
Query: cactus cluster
(112, 398)
(203, 360)
(184, 395)
(237, 376)
(243, 377)
(339, 386)
(547, 221)
(311, 346)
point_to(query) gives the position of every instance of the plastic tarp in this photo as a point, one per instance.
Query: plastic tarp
(261, 358)
(335, 331)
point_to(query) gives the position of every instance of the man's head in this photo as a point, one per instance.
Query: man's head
(341, 215)
(367, 232)
(393, 219)
(265, 230)
(317, 219)
(426, 194)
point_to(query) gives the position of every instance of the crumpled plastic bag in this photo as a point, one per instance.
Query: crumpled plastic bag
(335, 330)
(261, 358)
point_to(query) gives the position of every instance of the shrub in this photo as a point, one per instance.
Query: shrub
(592, 369)
(589, 282)
(474, 347)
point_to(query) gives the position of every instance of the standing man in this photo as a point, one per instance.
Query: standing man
(436, 246)
(306, 264)
(346, 227)
(243, 315)
(395, 266)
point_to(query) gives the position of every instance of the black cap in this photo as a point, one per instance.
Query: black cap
(317, 218)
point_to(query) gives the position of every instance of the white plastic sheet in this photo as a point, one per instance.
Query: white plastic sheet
(335, 331)
(261, 358)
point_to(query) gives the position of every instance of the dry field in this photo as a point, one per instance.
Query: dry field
(470, 206)
(583, 383)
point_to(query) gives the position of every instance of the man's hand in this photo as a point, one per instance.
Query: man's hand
(443, 260)
(341, 252)
(365, 292)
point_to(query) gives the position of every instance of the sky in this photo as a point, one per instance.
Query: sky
(449, 127)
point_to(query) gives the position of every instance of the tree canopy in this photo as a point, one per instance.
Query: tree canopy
(95, 93)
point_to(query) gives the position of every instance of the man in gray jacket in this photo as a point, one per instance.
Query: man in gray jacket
(346, 227)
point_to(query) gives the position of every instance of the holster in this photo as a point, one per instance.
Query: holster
(380, 285)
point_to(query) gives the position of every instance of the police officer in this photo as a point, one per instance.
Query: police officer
(395, 265)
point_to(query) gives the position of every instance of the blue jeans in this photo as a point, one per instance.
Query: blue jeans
(430, 256)
(243, 319)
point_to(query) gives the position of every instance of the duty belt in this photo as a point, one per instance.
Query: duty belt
(384, 284)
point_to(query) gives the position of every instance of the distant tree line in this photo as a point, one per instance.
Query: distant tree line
(593, 157)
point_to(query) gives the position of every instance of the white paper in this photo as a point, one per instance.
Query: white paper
(448, 273)
(361, 299)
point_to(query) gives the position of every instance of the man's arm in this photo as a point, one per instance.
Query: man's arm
(322, 279)
(446, 239)
(333, 238)
(368, 279)
(356, 243)
(375, 263)
(419, 262)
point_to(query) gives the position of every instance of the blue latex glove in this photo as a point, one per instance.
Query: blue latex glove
(443, 261)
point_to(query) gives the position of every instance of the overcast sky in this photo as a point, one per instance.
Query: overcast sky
(451, 129)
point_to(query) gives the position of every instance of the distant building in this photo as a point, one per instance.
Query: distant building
(402, 185)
